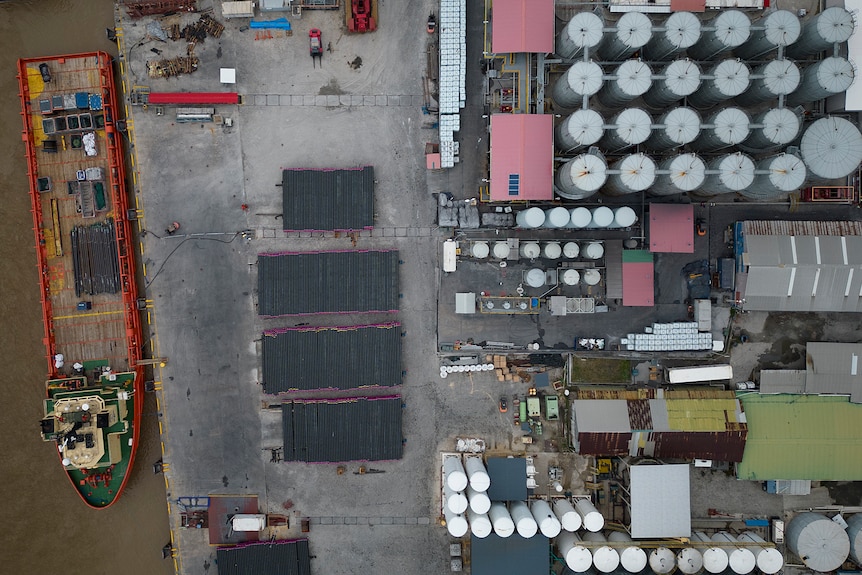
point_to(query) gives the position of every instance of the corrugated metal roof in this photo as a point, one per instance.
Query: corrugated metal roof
(671, 228)
(834, 368)
(801, 437)
(522, 155)
(717, 445)
(603, 443)
(328, 199)
(638, 284)
(640, 416)
(601, 415)
(282, 557)
(493, 554)
(801, 228)
(522, 26)
(508, 478)
(331, 431)
(327, 282)
(782, 381)
(614, 269)
(343, 357)
(660, 501)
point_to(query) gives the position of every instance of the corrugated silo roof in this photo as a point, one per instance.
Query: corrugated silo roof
(782, 27)
(634, 77)
(634, 29)
(682, 125)
(585, 126)
(732, 26)
(731, 125)
(683, 29)
(633, 125)
(831, 147)
(637, 171)
(682, 77)
(835, 24)
(781, 77)
(732, 77)
(780, 125)
(687, 172)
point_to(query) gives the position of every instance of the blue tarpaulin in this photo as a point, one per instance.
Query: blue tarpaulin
(278, 24)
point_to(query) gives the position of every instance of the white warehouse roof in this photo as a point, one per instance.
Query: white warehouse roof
(660, 501)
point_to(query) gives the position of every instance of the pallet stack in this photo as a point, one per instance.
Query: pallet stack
(502, 370)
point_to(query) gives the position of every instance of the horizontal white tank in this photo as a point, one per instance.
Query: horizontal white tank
(549, 525)
(571, 277)
(591, 277)
(831, 147)
(524, 522)
(590, 516)
(581, 218)
(731, 174)
(629, 80)
(726, 127)
(784, 173)
(480, 250)
(773, 79)
(632, 558)
(479, 501)
(680, 31)
(583, 31)
(565, 511)
(729, 29)
(535, 278)
(577, 557)
(827, 77)
(605, 558)
(729, 78)
(769, 559)
(624, 217)
(822, 31)
(480, 524)
(456, 501)
(476, 473)
(714, 558)
(774, 29)
(742, 560)
(630, 33)
(679, 79)
(818, 541)
(501, 520)
(634, 173)
(628, 128)
(582, 79)
(580, 129)
(530, 250)
(456, 523)
(571, 250)
(686, 172)
(603, 217)
(689, 561)
(581, 177)
(530, 218)
(557, 218)
(662, 561)
(593, 251)
(676, 127)
(501, 250)
(454, 474)
(553, 250)
(778, 127)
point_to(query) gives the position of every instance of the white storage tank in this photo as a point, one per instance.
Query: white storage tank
(831, 147)
(590, 517)
(777, 28)
(686, 173)
(476, 473)
(679, 79)
(577, 557)
(501, 250)
(630, 33)
(731, 28)
(778, 127)
(581, 218)
(480, 250)
(854, 533)
(479, 501)
(565, 511)
(557, 218)
(624, 217)
(727, 79)
(689, 561)
(773, 79)
(501, 520)
(549, 525)
(456, 523)
(605, 558)
(456, 501)
(530, 218)
(454, 474)
(732, 173)
(680, 31)
(480, 525)
(741, 559)
(530, 250)
(822, 31)
(632, 558)
(593, 251)
(818, 541)
(829, 76)
(535, 277)
(784, 173)
(524, 522)
(714, 558)
(571, 250)
(630, 80)
(769, 559)
(603, 217)
(582, 79)
(571, 277)
(591, 277)
(583, 31)
(726, 127)
(676, 127)
(628, 128)
(552, 250)
(580, 129)
(662, 561)
(633, 173)
(581, 177)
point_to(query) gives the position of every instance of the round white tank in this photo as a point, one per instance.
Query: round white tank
(501, 250)
(479, 501)
(530, 218)
(831, 147)
(577, 557)
(785, 173)
(530, 250)
(732, 173)
(456, 501)
(729, 78)
(477, 474)
(565, 511)
(769, 559)
(605, 558)
(742, 560)
(730, 127)
(524, 522)
(630, 127)
(714, 558)
(603, 217)
(580, 218)
(681, 78)
(557, 218)
(830, 76)
(501, 520)
(582, 79)
(453, 471)
(631, 33)
(594, 251)
(535, 278)
(777, 28)
(456, 523)
(630, 80)
(676, 127)
(591, 277)
(689, 560)
(480, 250)
(854, 533)
(624, 217)
(635, 173)
(687, 172)
(553, 250)
(590, 516)
(818, 541)
(581, 177)
(549, 525)
(681, 31)
(480, 525)
(580, 129)
(832, 26)
(632, 558)
(571, 277)
(779, 127)
(662, 561)
(584, 30)
(775, 78)
(571, 250)
(729, 29)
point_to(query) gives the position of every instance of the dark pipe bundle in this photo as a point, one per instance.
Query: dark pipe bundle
(95, 260)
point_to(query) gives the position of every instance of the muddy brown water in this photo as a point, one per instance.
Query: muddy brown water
(46, 527)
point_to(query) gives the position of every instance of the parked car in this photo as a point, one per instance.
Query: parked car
(504, 405)
(700, 227)
(45, 71)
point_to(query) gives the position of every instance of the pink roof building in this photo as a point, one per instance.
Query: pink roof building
(671, 228)
(522, 157)
(522, 26)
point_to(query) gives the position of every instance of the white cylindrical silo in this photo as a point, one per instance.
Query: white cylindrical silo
(731, 174)
(580, 80)
(456, 523)
(565, 511)
(476, 473)
(818, 541)
(530, 218)
(583, 31)
(624, 217)
(662, 561)
(501, 520)
(549, 525)
(831, 147)
(605, 557)
(591, 277)
(689, 561)
(775, 78)
(741, 559)
(769, 559)
(501, 250)
(480, 250)
(524, 522)
(727, 127)
(535, 278)
(590, 516)
(630, 33)
(530, 250)
(556, 218)
(581, 177)
(592, 251)
(571, 277)
(581, 218)
(777, 28)
(785, 173)
(603, 217)
(633, 173)
(778, 127)
(632, 558)
(854, 533)
(821, 32)
(571, 250)
(480, 525)
(453, 472)
(679, 79)
(479, 501)
(687, 173)
(577, 557)
(680, 31)
(580, 129)
(714, 558)
(676, 127)
(630, 127)
(731, 28)
(729, 78)
(630, 80)
(829, 76)
(456, 501)
(553, 250)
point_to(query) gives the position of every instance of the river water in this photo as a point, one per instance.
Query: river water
(46, 528)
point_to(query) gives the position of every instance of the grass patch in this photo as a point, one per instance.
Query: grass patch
(600, 370)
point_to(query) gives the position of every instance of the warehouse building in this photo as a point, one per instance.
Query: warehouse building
(830, 369)
(283, 557)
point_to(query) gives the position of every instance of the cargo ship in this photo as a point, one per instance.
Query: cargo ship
(85, 259)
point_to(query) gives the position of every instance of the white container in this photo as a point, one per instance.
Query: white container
(594, 251)
(603, 217)
(535, 278)
(477, 474)
(769, 559)
(740, 559)
(580, 218)
(689, 560)
(632, 558)
(578, 558)
(480, 525)
(501, 250)
(662, 561)
(605, 558)
(453, 471)
(571, 277)
(456, 501)
(569, 518)
(524, 522)
(624, 217)
(479, 501)
(557, 218)
(530, 218)
(480, 250)
(501, 520)
(820, 542)
(590, 516)
(456, 523)
(552, 250)
(549, 525)
(530, 250)
(571, 250)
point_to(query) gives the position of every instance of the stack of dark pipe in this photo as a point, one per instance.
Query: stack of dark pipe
(205, 26)
(95, 260)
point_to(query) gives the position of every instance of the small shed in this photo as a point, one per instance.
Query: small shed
(671, 228)
(508, 478)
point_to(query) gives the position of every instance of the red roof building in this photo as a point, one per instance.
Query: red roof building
(671, 228)
(522, 26)
(638, 278)
(522, 157)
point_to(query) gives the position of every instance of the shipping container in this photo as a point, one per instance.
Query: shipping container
(699, 374)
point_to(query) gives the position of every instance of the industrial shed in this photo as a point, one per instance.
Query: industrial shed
(830, 369)
(328, 199)
(493, 555)
(282, 557)
(336, 430)
(508, 478)
(291, 283)
(638, 278)
(522, 157)
(671, 228)
(522, 26)
(340, 357)
(660, 501)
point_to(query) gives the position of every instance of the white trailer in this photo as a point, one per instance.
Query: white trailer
(699, 374)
